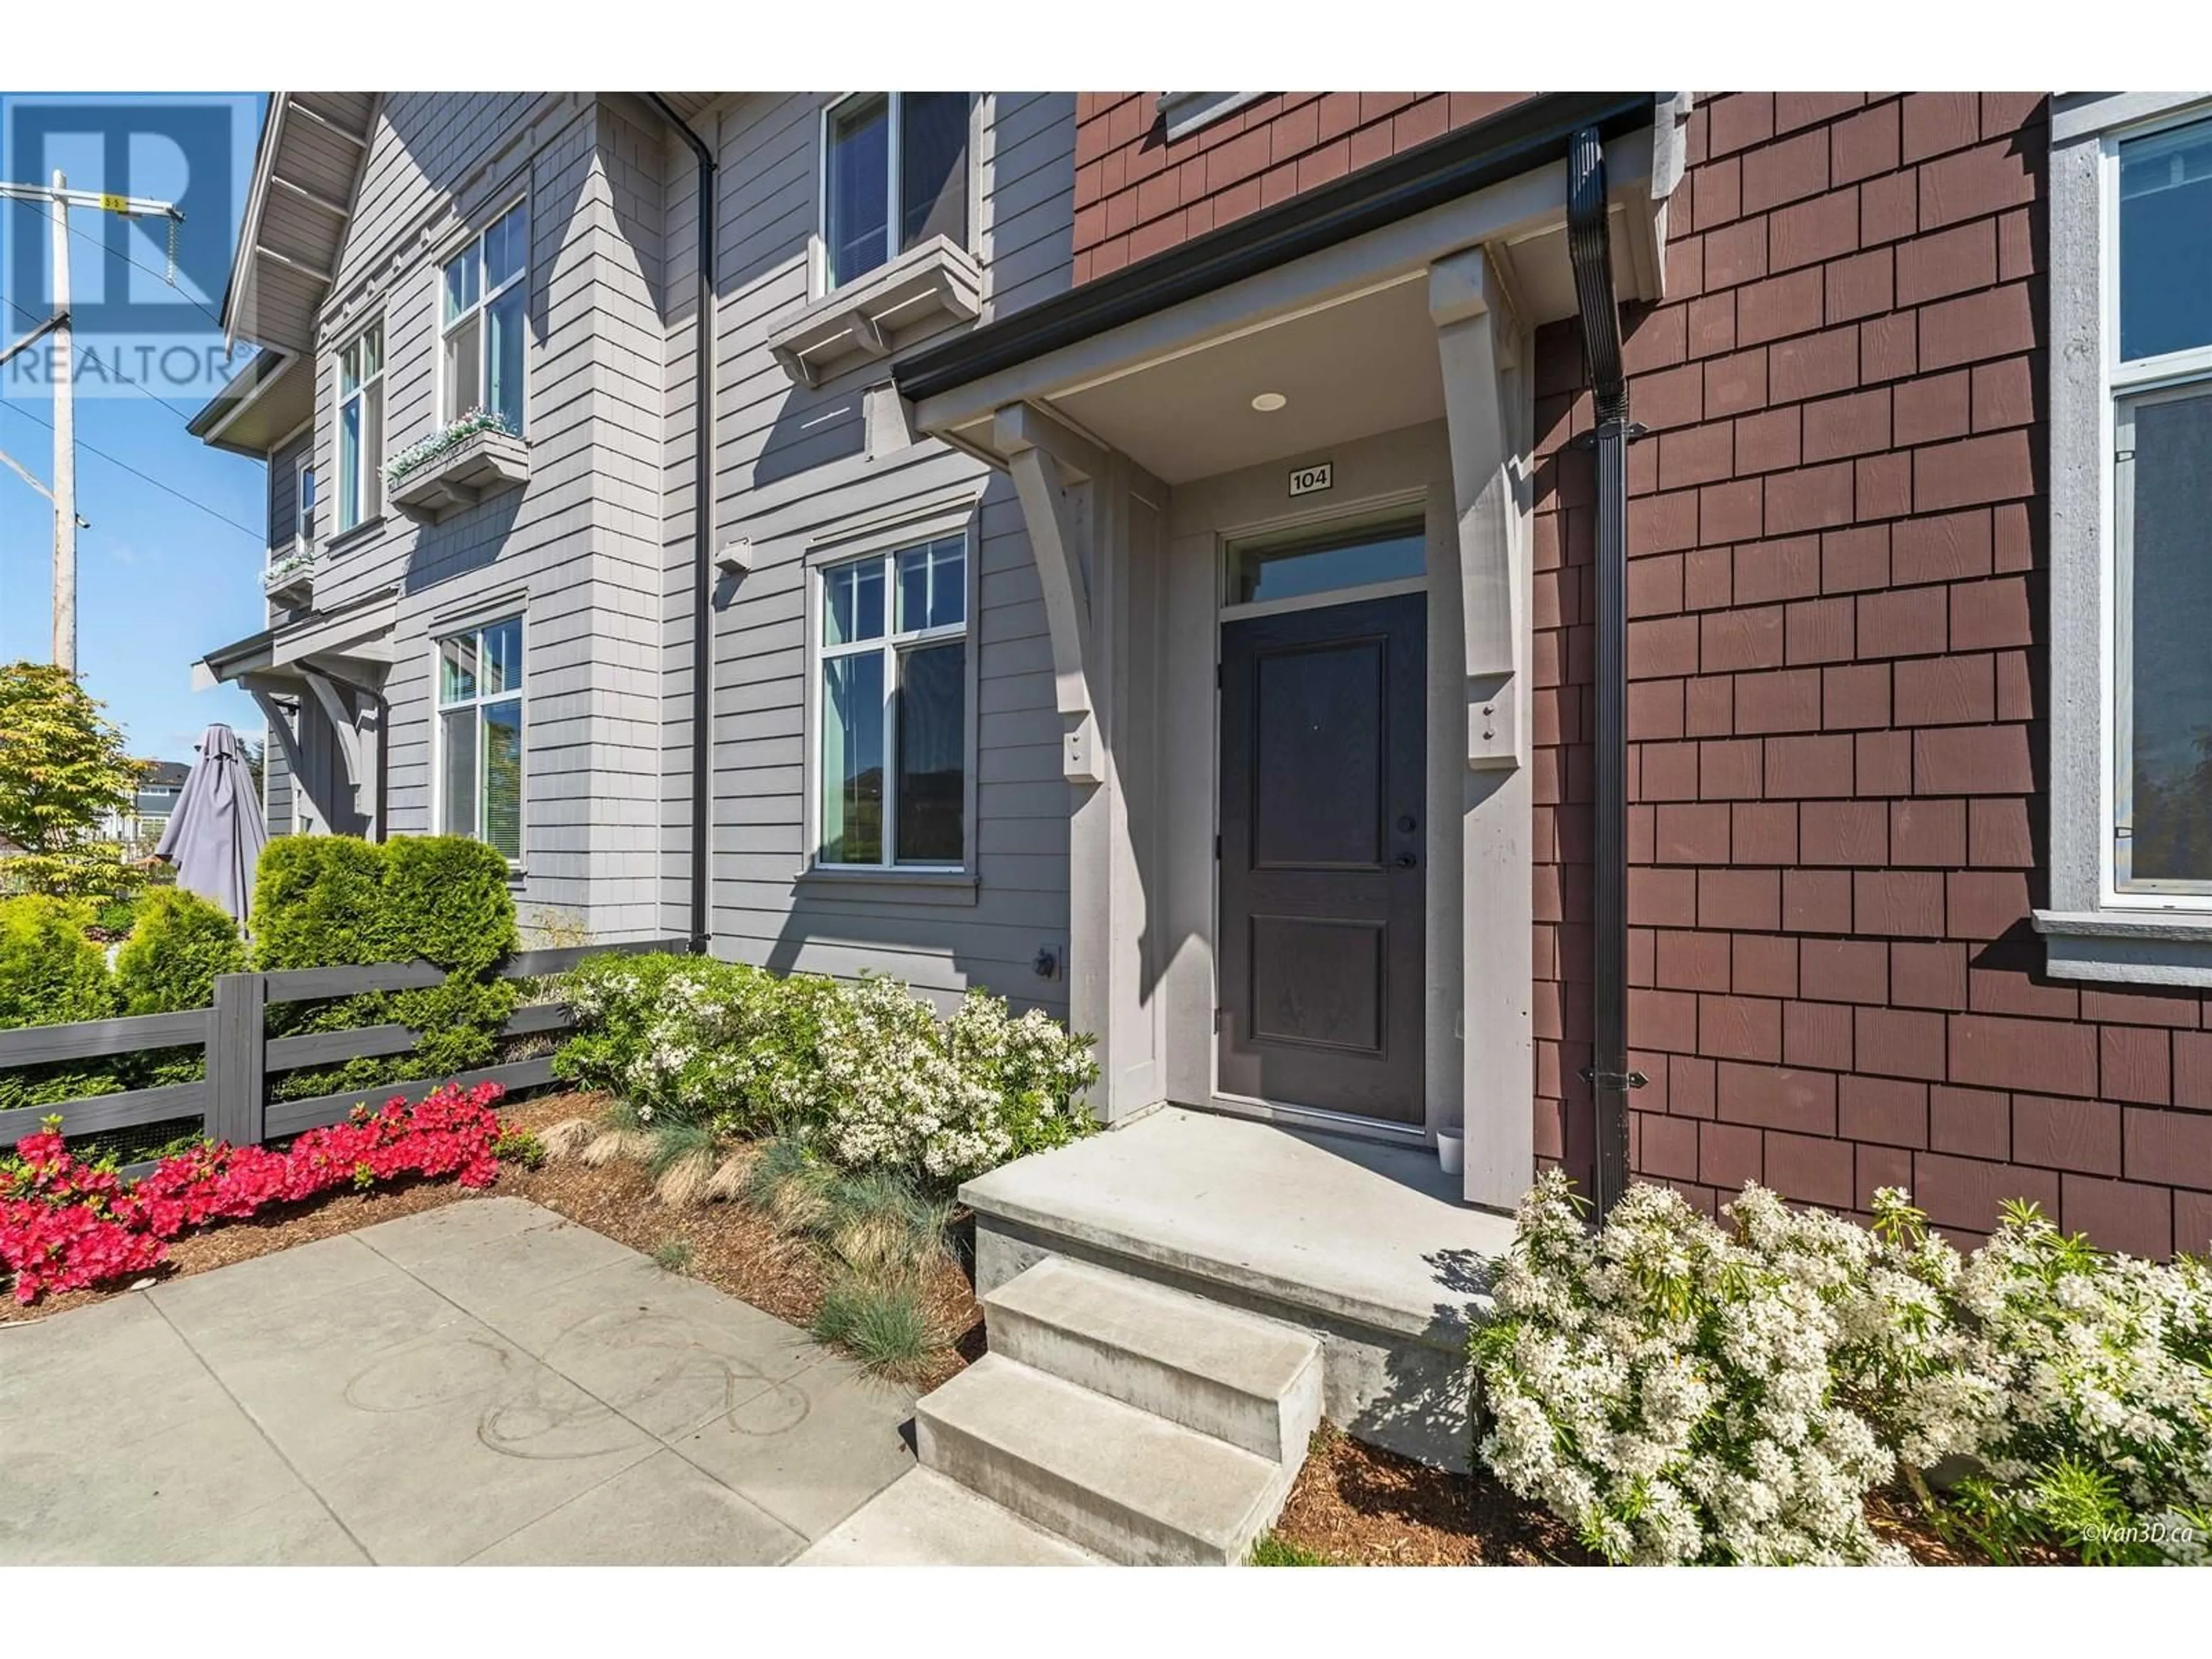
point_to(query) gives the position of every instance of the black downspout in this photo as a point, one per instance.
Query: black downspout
(1591, 250)
(703, 544)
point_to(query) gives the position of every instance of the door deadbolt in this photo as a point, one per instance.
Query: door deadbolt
(1406, 825)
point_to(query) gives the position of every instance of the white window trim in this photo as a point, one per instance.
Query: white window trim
(882, 540)
(439, 709)
(481, 309)
(368, 505)
(1186, 112)
(2093, 930)
(820, 283)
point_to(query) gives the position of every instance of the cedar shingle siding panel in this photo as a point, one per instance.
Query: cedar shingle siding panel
(1137, 192)
(1838, 641)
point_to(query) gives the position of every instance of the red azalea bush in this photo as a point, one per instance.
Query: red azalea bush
(64, 1225)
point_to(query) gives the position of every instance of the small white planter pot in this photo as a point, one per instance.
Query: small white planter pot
(1451, 1151)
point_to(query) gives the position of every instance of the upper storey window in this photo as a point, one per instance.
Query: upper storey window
(894, 174)
(483, 311)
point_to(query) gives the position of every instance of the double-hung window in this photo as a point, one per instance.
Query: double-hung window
(2159, 382)
(893, 667)
(480, 752)
(894, 174)
(360, 427)
(484, 313)
(303, 505)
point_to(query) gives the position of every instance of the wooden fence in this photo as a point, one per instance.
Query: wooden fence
(233, 1103)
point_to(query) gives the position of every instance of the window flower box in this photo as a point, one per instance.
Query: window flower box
(928, 288)
(291, 579)
(474, 457)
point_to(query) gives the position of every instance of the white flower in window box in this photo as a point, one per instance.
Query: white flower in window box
(457, 466)
(290, 577)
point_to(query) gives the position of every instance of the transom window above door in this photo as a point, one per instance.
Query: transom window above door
(482, 316)
(1301, 564)
(893, 679)
(894, 174)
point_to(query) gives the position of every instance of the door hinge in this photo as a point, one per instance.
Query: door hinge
(1216, 849)
(1217, 680)
(1217, 1022)
(1619, 1082)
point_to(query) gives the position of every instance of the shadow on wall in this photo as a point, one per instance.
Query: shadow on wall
(1425, 1405)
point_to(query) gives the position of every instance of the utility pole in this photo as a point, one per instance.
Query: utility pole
(60, 198)
(64, 380)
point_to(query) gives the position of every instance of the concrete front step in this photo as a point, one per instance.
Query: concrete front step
(1248, 1380)
(923, 1520)
(1124, 1483)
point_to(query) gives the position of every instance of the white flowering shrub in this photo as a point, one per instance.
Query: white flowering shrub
(1682, 1392)
(1666, 1387)
(2102, 1366)
(867, 1071)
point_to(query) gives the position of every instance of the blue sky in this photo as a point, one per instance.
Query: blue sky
(161, 580)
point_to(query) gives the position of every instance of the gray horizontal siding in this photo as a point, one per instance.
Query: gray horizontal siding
(791, 464)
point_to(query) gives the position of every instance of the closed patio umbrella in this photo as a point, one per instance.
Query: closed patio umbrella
(215, 834)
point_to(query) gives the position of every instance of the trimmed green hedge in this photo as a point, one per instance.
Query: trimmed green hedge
(334, 900)
(52, 975)
(318, 901)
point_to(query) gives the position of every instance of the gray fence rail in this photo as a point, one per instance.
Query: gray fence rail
(233, 1103)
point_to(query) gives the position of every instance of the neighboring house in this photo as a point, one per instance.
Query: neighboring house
(159, 783)
(1149, 567)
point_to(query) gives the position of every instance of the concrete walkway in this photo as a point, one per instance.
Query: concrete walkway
(484, 1382)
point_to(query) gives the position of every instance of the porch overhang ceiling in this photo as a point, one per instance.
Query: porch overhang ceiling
(352, 643)
(272, 397)
(304, 172)
(1163, 364)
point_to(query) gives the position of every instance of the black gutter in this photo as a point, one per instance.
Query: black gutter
(1590, 248)
(1527, 135)
(702, 534)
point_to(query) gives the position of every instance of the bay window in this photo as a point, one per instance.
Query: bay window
(479, 736)
(892, 668)
(360, 427)
(484, 313)
(894, 174)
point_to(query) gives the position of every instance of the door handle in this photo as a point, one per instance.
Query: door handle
(1405, 860)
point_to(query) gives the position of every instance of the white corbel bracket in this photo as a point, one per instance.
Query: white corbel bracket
(1047, 457)
(1475, 336)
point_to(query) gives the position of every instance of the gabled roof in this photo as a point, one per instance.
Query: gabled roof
(304, 172)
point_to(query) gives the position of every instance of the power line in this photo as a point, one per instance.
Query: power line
(248, 530)
(137, 386)
(101, 244)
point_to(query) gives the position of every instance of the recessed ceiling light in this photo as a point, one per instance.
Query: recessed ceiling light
(1268, 402)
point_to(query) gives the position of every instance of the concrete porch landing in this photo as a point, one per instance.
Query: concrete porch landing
(1366, 1246)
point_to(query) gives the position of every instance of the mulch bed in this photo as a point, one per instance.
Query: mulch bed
(730, 1247)
(1357, 1505)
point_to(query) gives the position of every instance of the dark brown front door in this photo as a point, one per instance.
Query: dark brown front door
(1322, 888)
